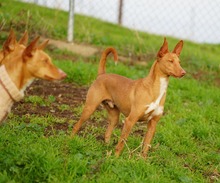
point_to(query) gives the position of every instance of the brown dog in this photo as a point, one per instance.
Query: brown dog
(138, 100)
(20, 65)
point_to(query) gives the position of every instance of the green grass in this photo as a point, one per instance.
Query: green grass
(186, 146)
(36, 100)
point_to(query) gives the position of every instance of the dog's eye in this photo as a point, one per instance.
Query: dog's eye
(45, 61)
(171, 61)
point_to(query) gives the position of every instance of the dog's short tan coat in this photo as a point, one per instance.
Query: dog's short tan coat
(138, 100)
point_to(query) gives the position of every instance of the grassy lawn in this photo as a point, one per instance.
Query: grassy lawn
(186, 146)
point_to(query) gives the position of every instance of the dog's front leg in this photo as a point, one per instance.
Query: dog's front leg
(151, 128)
(129, 123)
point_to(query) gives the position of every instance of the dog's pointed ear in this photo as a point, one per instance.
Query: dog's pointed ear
(164, 49)
(31, 48)
(9, 44)
(178, 48)
(43, 45)
(24, 39)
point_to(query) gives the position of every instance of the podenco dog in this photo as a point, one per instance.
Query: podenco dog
(20, 66)
(138, 100)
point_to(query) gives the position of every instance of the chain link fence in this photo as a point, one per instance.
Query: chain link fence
(197, 20)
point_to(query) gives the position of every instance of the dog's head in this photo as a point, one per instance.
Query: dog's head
(39, 64)
(169, 62)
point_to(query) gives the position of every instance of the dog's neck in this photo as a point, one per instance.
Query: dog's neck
(19, 75)
(157, 82)
(9, 86)
(155, 74)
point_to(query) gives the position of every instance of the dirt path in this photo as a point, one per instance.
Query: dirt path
(64, 93)
(84, 50)
(88, 51)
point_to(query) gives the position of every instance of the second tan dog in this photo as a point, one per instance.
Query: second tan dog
(138, 100)
(20, 65)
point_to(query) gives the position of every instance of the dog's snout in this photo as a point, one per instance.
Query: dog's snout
(183, 72)
(62, 74)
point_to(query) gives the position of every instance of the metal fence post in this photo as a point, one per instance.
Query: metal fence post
(120, 12)
(70, 30)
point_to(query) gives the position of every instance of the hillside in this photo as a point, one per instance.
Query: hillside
(35, 143)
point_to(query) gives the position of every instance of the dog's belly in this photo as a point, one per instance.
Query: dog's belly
(125, 112)
(122, 108)
(152, 110)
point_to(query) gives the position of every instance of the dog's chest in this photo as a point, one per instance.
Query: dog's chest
(155, 108)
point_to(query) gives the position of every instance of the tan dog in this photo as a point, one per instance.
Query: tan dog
(20, 65)
(138, 100)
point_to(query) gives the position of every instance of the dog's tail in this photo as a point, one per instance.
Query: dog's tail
(102, 62)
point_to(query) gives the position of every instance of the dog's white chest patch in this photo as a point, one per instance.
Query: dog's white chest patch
(154, 107)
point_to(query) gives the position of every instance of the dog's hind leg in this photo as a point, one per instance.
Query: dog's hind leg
(113, 118)
(92, 102)
(87, 112)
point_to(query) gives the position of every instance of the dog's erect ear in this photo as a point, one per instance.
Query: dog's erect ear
(164, 49)
(43, 45)
(178, 48)
(31, 48)
(24, 39)
(9, 44)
